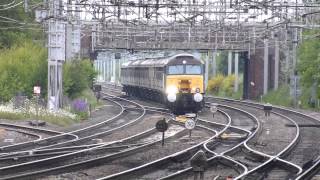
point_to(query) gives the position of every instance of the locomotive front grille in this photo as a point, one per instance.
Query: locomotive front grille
(184, 86)
(186, 99)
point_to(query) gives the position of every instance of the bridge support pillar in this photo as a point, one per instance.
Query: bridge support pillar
(276, 64)
(265, 67)
(104, 71)
(214, 63)
(229, 63)
(236, 72)
(114, 70)
(206, 76)
(109, 70)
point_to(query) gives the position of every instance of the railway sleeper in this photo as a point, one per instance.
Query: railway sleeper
(253, 157)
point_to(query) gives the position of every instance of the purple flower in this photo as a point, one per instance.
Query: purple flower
(79, 105)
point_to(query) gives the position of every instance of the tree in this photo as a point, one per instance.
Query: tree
(17, 25)
(77, 76)
(309, 58)
(22, 67)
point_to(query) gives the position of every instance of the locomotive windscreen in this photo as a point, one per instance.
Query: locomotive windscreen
(178, 69)
(193, 69)
(184, 69)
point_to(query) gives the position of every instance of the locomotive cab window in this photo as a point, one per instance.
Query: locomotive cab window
(178, 69)
(184, 69)
(193, 69)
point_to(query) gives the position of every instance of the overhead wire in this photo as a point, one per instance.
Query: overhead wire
(9, 4)
(12, 6)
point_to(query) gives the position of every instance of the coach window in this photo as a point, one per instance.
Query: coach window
(178, 69)
(193, 69)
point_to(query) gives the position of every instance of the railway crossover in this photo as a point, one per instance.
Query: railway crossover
(238, 142)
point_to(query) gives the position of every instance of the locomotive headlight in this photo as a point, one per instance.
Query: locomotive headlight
(172, 97)
(197, 97)
(172, 90)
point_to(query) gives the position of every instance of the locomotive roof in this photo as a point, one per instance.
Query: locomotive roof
(161, 62)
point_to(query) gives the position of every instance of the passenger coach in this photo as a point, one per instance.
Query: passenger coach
(177, 81)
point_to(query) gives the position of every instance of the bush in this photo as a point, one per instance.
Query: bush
(279, 97)
(21, 68)
(228, 85)
(224, 86)
(80, 107)
(215, 84)
(77, 76)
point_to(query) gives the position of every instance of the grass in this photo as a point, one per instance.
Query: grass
(11, 116)
(57, 120)
(90, 97)
(62, 118)
(279, 97)
(282, 97)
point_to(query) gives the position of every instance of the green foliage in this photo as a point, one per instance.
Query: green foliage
(222, 62)
(228, 85)
(308, 66)
(61, 121)
(215, 84)
(279, 97)
(309, 58)
(17, 26)
(90, 97)
(77, 76)
(22, 67)
(224, 86)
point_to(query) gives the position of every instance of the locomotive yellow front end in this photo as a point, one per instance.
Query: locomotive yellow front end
(185, 86)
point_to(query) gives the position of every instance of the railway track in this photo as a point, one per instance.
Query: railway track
(82, 134)
(286, 149)
(78, 134)
(26, 165)
(299, 153)
(129, 150)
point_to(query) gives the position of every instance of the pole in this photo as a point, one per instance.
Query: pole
(37, 107)
(295, 91)
(287, 53)
(26, 7)
(201, 175)
(265, 67)
(276, 64)
(236, 71)
(214, 63)
(56, 54)
(162, 139)
(196, 175)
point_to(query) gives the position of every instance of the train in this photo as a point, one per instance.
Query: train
(176, 81)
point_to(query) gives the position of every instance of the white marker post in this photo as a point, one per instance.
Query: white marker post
(213, 108)
(36, 92)
(190, 124)
(267, 110)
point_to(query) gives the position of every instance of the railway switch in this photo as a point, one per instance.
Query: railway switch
(198, 163)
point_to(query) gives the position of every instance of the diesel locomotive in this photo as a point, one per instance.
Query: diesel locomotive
(176, 81)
